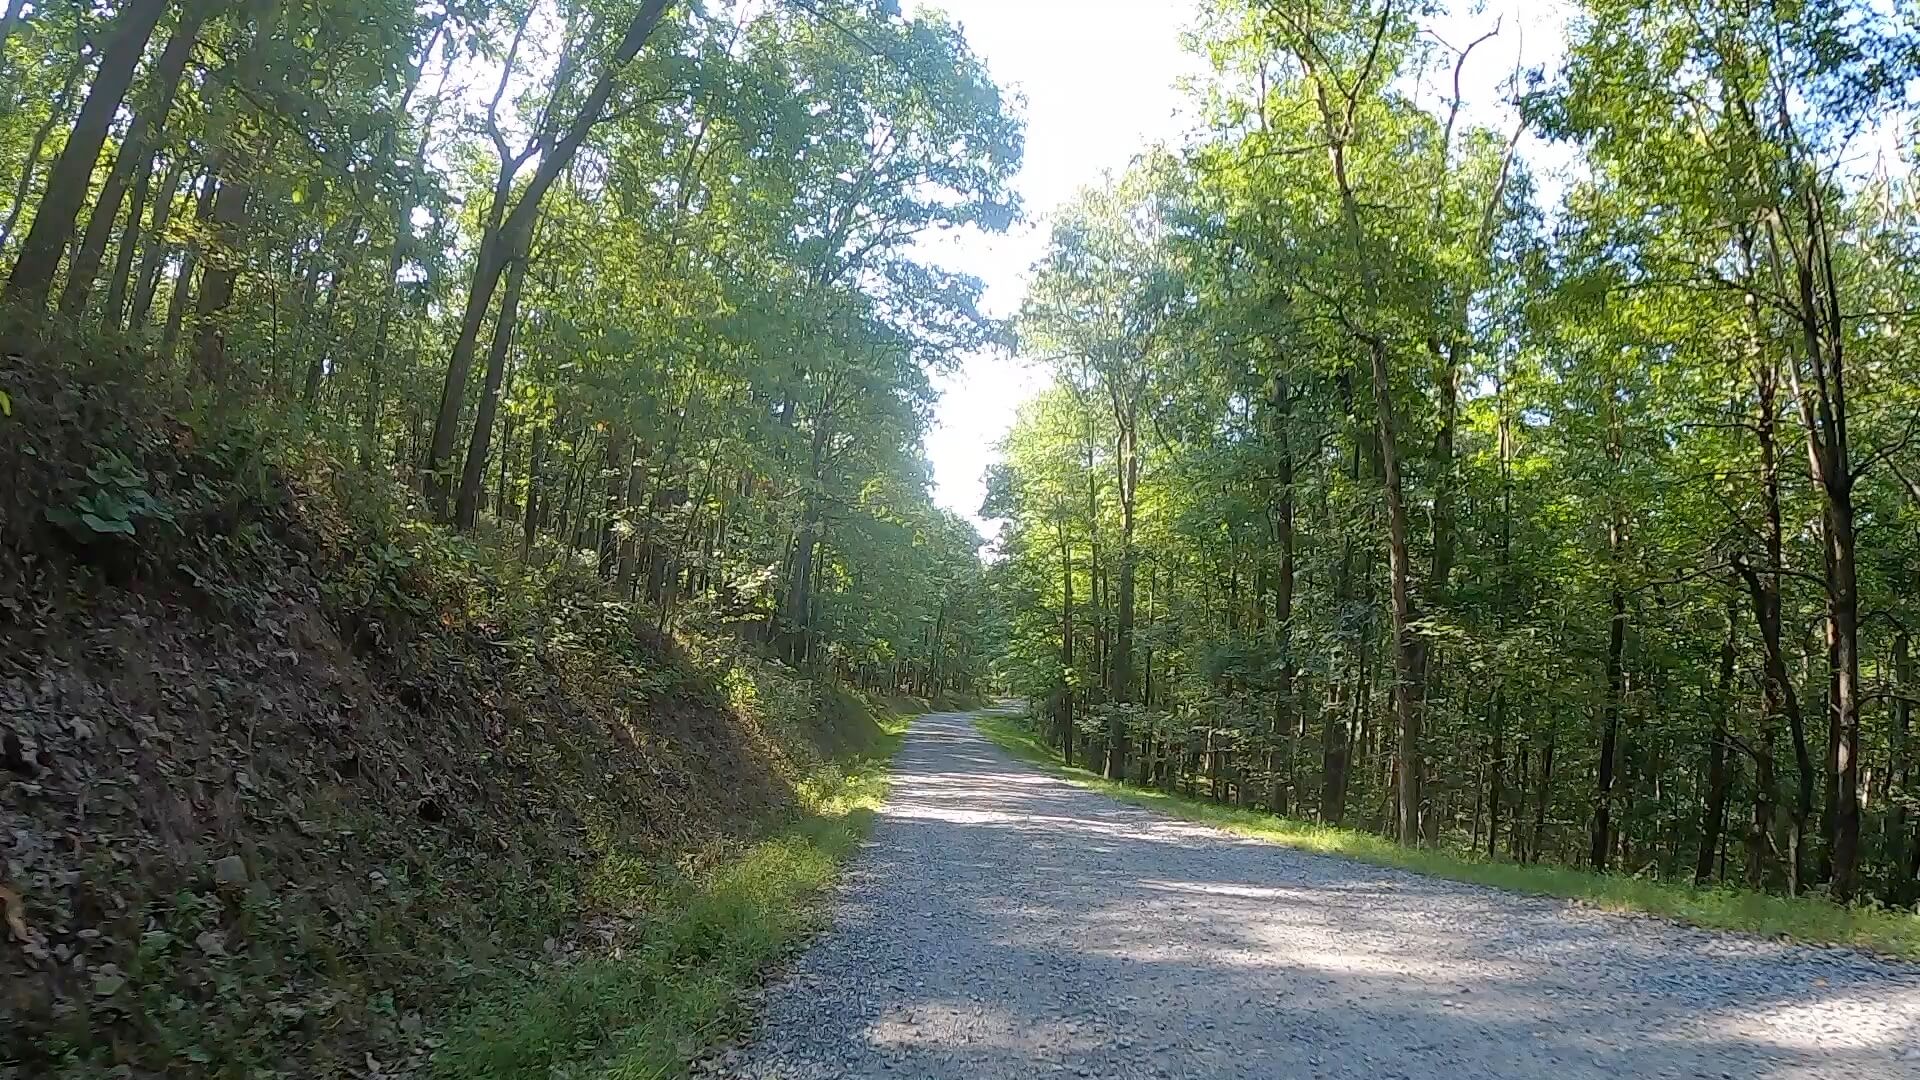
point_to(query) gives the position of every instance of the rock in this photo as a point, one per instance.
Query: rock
(230, 872)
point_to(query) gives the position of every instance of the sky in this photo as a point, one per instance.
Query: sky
(1100, 81)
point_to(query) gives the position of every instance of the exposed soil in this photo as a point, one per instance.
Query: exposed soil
(275, 786)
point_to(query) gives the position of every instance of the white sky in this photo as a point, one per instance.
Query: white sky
(1099, 78)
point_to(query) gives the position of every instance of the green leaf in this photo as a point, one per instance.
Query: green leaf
(107, 525)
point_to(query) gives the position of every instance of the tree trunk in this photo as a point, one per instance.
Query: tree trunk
(619, 457)
(1496, 769)
(1516, 834)
(1541, 801)
(530, 522)
(158, 249)
(224, 259)
(136, 152)
(121, 280)
(504, 474)
(1760, 824)
(1409, 654)
(1066, 646)
(323, 350)
(1284, 582)
(1128, 466)
(799, 599)
(9, 19)
(467, 507)
(1820, 388)
(1763, 586)
(1602, 846)
(1845, 595)
(184, 283)
(1714, 815)
(517, 225)
(1905, 847)
(71, 177)
(38, 146)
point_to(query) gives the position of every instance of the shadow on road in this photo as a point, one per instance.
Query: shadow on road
(1005, 923)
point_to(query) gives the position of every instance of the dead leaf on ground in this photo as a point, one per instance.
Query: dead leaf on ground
(16, 913)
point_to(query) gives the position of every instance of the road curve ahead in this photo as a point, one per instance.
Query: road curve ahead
(1003, 923)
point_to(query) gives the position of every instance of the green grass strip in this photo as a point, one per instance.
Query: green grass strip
(641, 1015)
(1808, 919)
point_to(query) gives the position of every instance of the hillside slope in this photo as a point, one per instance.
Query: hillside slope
(285, 773)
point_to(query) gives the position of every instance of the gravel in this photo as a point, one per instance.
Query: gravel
(1005, 923)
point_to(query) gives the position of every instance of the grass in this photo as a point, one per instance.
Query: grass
(1809, 919)
(644, 1012)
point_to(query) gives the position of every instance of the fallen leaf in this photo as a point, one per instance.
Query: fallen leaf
(16, 913)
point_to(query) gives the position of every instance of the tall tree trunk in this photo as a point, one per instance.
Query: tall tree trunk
(1336, 734)
(10, 18)
(136, 152)
(1780, 700)
(1409, 654)
(122, 269)
(183, 285)
(1128, 467)
(1542, 800)
(1516, 833)
(467, 507)
(158, 249)
(1906, 839)
(1602, 845)
(797, 611)
(121, 279)
(536, 458)
(504, 474)
(516, 227)
(1066, 718)
(1284, 582)
(1819, 383)
(224, 258)
(1760, 824)
(1496, 768)
(1714, 815)
(38, 146)
(619, 459)
(1846, 703)
(71, 177)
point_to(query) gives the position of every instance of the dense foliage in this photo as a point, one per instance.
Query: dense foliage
(1372, 488)
(629, 281)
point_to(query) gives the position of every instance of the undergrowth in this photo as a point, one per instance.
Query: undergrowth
(1809, 919)
(291, 780)
(675, 980)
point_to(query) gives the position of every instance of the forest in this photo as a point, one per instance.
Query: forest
(465, 534)
(469, 544)
(635, 280)
(1381, 482)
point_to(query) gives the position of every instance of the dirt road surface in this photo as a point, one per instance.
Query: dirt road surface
(1004, 923)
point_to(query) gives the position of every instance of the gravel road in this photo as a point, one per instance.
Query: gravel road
(1005, 923)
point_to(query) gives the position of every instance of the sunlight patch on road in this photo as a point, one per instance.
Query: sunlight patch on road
(1842, 1022)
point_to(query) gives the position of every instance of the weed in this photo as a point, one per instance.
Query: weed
(644, 1010)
